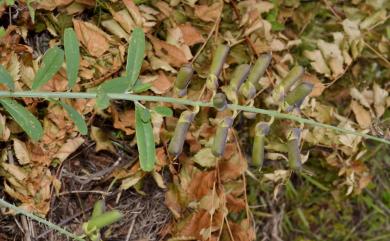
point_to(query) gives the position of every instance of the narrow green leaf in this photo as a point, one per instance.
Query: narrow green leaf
(163, 110)
(29, 123)
(139, 88)
(102, 100)
(76, 117)
(116, 85)
(2, 32)
(6, 78)
(52, 61)
(72, 56)
(98, 209)
(145, 115)
(135, 57)
(145, 140)
(104, 219)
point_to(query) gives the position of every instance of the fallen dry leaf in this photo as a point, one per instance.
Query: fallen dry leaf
(21, 152)
(363, 117)
(171, 53)
(93, 38)
(102, 140)
(201, 183)
(124, 120)
(208, 13)
(68, 148)
(191, 35)
(162, 84)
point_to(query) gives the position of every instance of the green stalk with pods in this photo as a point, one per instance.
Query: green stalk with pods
(261, 130)
(183, 79)
(291, 78)
(221, 134)
(295, 98)
(176, 145)
(238, 77)
(216, 66)
(251, 85)
(294, 154)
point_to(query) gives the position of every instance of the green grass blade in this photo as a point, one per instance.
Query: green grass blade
(72, 56)
(145, 140)
(6, 78)
(135, 57)
(52, 62)
(76, 117)
(104, 219)
(27, 121)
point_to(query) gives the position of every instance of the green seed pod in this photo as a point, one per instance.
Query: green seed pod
(221, 136)
(294, 155)
(176, 145)
(292, 77)
(248, 90)
(219, 58)
(297, 95)
(183, 79)
(259, 69)
(239, 75)
(261, 130)
(219, 101)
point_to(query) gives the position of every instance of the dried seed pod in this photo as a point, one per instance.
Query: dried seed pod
(183, 79)
(221, 136)
(259, 69)
(219, 101)
(239, 75)
(294, 155)
(176, 145)
(248, 90)
(297, 95)
(292, 77)
(261, 130)
(219, 58)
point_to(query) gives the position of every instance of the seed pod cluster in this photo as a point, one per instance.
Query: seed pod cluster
(220, 102)
(294, 154)
(261, 130)
(176, 145)
(296, 96)
(221, 136)
(291, 78)
(183, 79)
(216, 66)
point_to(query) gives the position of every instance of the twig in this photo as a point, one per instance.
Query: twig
(378, 54)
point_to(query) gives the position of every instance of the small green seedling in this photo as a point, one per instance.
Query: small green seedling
(99, 220)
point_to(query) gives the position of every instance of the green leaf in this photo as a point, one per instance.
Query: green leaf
(141, 87)
(98, 209)
(163, 110)
(52, 61)
(2, 32)
(116, 85)
(145, 115)
(102, 100)
(135, 57)
(29, 123)
(104, 219)
(72, 56)
(6, 78)
(76, 117)
(145, 140)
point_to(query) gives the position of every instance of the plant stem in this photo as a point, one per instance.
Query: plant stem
(39, 219)
(132, 97)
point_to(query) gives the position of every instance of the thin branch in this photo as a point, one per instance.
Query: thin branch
(132, 97)
(40, 220)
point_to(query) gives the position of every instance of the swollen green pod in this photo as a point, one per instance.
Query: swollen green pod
(294, 154)
(219, 58)
(297, 95)
(239, 75)
(261, 130)
(183, 79)
(176, 145)
(291, 78)
(219, 101)
(259, 69)
(221, 136)
(248, 90)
